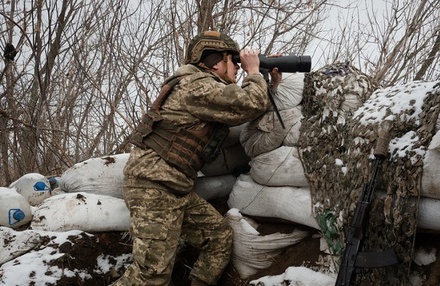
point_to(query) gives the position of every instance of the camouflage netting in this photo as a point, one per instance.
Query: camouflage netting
(338, 136)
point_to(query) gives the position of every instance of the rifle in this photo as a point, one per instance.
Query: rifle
(352, 259)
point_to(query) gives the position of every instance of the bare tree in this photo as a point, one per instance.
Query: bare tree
(393, 41)
(86, 71)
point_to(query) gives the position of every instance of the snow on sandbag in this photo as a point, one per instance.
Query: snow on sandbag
(15, 243)
(289, 203)
(296, 276)
(102, 176)
(231, 160)
(252, 251)
(34, 187)
(82, 211)
(280, 167)
(290, 91)
(266, 133)
(15, 209)
(214, 187)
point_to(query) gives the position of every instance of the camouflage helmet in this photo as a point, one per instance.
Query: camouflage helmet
(209, 41)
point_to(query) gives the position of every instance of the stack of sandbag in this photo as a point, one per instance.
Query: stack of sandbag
(274, 165)
(17, 200)
(104, 175)
(31, 200)
(266, 133)
(276, 177)
(276, 185)
(343, 112)
(91, 195)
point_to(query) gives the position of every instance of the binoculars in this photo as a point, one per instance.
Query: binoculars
(288, 64)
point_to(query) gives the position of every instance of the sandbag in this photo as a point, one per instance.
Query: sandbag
(15, 243)
(266, 133)
(15, 209)
(431, 179)
(252, 251)
(280, 167)
(289, 203)
(101, 176)
(214, 187)
(295, 204)
(290, 91)
(435, 142)
(34, 187)
(81, 211)
(231, 160)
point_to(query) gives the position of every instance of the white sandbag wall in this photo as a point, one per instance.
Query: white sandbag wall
(276, 185)
(104, 175)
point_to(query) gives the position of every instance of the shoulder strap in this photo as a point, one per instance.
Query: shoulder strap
(167, 87)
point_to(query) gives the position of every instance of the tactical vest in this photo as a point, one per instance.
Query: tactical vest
(186, 150)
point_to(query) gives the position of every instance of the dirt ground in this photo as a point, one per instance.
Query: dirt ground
(83, 253)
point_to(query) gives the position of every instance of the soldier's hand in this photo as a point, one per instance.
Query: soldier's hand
(250, 62)
(275, 75)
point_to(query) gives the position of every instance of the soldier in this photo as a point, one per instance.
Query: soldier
(182, 130)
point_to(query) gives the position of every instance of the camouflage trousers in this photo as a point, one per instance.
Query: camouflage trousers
(159, 219)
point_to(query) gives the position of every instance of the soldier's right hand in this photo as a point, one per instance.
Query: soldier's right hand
(250, 62)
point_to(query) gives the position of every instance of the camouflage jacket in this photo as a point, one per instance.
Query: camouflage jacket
(199, 98)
